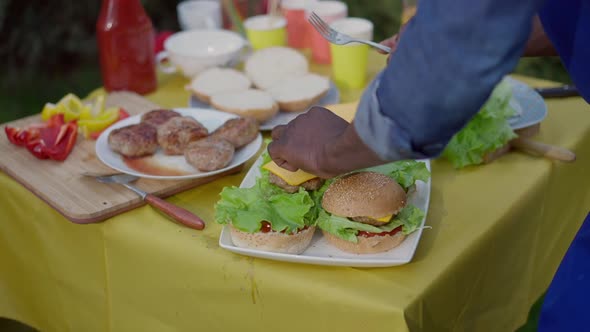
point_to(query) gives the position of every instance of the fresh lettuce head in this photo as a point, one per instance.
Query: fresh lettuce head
(488, 131)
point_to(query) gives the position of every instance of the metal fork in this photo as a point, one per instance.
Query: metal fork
(339, 38)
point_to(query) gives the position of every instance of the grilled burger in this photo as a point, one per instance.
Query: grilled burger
(367, 213)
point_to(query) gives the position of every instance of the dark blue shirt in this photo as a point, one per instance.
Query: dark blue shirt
(447, 63)
(567, 24)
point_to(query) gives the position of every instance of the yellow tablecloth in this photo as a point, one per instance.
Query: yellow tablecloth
(498, 234)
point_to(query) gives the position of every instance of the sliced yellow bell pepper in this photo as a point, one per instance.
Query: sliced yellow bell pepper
(92, 118)
(73, 106)
(49, 110)
(99, 122)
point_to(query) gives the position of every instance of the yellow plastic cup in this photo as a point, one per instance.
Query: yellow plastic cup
(266, 31)
(349, 62)
(349, 65)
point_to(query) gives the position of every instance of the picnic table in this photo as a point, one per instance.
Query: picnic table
(498, 233)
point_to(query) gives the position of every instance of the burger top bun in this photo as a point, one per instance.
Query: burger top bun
(364, 194)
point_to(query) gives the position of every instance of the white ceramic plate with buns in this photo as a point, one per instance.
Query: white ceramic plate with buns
(281, 118)
(321, 253)
(210, 119)
(274, 88)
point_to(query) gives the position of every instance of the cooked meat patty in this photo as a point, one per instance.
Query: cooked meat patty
(209, 154)
(134, 141)
(368, 220)
(312, 184)
(158, 117)
(239, 131)
(176, 133)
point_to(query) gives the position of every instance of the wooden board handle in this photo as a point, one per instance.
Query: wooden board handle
(177, 213)
(545, 150)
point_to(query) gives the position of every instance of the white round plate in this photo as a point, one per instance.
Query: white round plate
(211, 119)
(332, 97)
(529, 105)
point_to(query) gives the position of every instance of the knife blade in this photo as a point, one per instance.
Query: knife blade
(558, 92)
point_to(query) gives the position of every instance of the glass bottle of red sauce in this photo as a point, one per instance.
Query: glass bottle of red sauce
(126, 47)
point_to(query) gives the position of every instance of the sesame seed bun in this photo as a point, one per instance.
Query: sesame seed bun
(364, 194)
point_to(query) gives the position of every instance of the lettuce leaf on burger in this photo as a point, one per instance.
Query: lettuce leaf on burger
(267, 216)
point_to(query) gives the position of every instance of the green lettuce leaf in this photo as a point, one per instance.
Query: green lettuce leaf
(405, 172)
(410, 218)
(487, 131)
(246, 208)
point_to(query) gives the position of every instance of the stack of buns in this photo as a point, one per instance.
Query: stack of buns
(273, 78)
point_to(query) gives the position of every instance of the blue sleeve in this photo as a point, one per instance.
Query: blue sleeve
(448, 61)
(568, 27)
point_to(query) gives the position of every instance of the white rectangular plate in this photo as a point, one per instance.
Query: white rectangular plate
(321, 253)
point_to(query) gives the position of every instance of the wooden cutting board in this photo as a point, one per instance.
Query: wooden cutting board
(81, 199)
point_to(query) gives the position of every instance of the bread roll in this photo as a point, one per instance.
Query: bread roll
(252, 103)
(364, 194)
(269, 66)
(218, 80)
(298, 93)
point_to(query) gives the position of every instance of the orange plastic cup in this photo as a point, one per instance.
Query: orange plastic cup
(297, 32)
(329, 11)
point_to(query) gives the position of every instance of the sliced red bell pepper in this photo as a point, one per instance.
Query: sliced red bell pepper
(122, 114)
(16, 136)
(37, 148)
(19, 136)
(64, 143)
(54, 139)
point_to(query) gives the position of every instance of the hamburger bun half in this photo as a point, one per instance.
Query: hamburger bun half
(298, 93)
(218, 80)
(364, 194)
(251, 103)
(269, 66)
(273, 241)
(366, 245)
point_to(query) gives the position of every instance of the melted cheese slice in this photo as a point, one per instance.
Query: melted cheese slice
(384, 219)
(292, 178)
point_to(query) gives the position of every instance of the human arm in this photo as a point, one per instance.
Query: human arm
(447, 62)
(538, 43)
(320, 143)
(392, 41)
